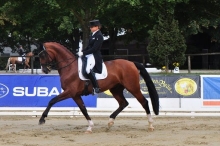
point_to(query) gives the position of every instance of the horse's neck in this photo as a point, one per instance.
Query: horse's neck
(29, 54)
(64, 55)
(66, 61)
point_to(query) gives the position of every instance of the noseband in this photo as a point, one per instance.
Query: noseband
(44, 54)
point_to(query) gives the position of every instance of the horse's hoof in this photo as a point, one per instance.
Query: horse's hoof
(110, 124)
(151, 129)
(88, 132)
(41, 122)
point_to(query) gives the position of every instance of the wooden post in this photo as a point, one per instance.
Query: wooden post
(32, 65)
(189, 64)
(143, 59)
(167, 64)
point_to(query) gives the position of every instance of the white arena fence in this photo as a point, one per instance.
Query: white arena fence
(205, 103)
(105, 112)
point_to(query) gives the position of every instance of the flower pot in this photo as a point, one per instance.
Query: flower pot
(176, 70)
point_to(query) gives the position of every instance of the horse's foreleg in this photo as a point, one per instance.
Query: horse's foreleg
(14, 68)
(117, 92)
(54, 100)
(7, 66)
(26, 66)
(45, 113)
(83, 109)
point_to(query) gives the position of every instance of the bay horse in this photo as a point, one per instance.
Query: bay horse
(122, 74)
(18, 60)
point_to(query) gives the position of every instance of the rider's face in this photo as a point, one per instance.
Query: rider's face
(94, 28)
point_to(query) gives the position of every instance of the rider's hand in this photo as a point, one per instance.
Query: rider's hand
(80, 54)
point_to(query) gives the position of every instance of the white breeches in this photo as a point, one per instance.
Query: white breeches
(90, 63)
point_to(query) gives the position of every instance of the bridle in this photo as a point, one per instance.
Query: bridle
(49, 64)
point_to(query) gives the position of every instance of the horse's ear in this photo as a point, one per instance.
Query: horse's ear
(39, 48)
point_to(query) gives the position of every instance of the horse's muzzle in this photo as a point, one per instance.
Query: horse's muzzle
(46, 69)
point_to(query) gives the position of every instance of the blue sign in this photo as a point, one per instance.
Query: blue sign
(211, 88)
(35, 91)
(211, 92)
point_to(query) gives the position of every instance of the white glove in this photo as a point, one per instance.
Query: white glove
(80, 54)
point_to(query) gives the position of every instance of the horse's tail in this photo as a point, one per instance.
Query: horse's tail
(7, 65)
(151, 88)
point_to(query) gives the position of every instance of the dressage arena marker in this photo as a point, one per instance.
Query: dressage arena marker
(128, 112)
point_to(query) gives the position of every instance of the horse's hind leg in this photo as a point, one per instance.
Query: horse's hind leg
(117, 92)
(144, 102)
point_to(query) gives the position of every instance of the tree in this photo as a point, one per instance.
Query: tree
(27, 20)
(61, 19)
(167, 44)
(83, 11)
(196, 16)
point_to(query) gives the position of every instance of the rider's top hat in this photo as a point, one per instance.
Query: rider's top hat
(94, 23)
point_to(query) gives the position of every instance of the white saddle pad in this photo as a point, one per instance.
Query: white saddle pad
(98, 76)
(20, 58)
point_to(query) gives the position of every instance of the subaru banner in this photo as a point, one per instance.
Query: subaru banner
(35, 91)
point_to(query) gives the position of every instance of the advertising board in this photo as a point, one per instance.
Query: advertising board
(35, 91)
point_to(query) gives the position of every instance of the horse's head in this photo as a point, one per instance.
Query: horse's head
(45, 60)
(35, 52)
(56, 55)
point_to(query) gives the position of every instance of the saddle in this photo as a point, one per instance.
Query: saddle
(20, 58)
(82, 61)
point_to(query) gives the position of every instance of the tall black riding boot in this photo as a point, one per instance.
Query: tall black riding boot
(92, 78)
(23, 61)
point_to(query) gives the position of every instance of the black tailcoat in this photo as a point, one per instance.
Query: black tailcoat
(94, 47)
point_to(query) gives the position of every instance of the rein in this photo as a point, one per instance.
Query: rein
(64, 61)
(53, 63)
